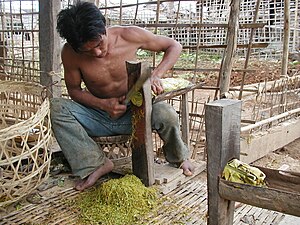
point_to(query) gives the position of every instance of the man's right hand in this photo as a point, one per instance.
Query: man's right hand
(115, 107)
(156, 85)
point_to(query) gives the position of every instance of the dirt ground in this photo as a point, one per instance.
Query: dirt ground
(264, 71)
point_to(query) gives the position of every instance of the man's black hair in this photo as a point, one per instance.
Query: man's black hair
(80, 23)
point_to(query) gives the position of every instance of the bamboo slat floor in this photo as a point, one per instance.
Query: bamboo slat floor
(185, 205)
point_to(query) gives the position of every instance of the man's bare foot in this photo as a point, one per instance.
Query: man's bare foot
(187, 167)
(93, 177)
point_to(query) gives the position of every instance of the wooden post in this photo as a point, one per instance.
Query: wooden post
(286, 38)
(3, 54)
(142, 146)
(222, 124)
(50, 63)
(229, 52)
(185, 120)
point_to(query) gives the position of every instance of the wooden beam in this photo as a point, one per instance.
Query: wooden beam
(256, 147)
(227, 62)
(282, 193)
(222, 122)
(254, 45)
(169, 95)
(212, 70)
(142, 146)
(218, 25)
(50, 63)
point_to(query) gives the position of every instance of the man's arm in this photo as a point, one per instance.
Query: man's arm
(156, 43)
(113, 106)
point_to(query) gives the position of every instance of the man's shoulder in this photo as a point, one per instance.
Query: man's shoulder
(128, 33)
(122, 29)
(67, 49)
(67, 53)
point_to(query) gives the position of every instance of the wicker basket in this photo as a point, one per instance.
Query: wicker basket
(25, 135)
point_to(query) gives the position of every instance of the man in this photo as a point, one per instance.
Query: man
(96, 55)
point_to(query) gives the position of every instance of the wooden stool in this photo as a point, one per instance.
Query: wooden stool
(116, 148)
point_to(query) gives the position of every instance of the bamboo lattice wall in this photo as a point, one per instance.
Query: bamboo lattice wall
(195, 24)
(203, 22)
(19, 33)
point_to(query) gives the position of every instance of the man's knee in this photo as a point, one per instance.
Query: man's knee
(164, 113)
(57, 106)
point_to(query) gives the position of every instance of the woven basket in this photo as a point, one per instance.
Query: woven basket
(25, 135)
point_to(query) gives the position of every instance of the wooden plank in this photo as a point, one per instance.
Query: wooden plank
(222, 121)
(268, 198)
(165, 188)
(165, 173)
(255, 147)
(288, 181)
(50, 63)
(142, 146)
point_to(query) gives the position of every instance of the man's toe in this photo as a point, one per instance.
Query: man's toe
(187, 173)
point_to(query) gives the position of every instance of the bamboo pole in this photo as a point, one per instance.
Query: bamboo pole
(136, 11)
(296, 24)
(269, 120)
(286, 38)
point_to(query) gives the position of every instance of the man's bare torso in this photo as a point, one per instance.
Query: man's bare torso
(106, 77)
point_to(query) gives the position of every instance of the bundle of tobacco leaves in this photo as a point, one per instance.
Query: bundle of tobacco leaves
(118, 201)
(240, 172)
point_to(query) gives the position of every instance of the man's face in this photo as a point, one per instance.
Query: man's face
(96, 48)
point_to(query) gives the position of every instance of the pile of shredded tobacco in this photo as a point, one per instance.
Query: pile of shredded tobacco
(117, 201)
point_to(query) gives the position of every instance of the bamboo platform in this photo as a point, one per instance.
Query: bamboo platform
(186, 204)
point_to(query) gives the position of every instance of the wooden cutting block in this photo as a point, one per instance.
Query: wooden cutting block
(164, 173)
(169, 178)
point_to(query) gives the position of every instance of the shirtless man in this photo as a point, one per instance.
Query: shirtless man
(96, 55)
